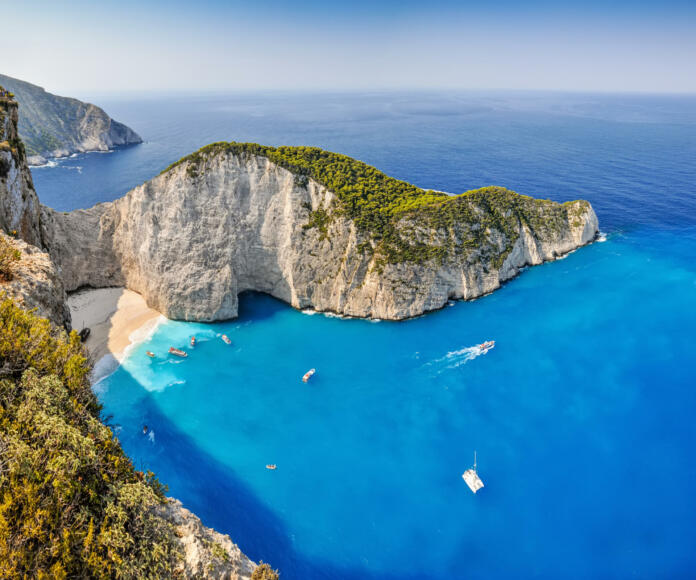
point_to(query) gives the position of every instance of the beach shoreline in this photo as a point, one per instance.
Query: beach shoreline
(117, 318)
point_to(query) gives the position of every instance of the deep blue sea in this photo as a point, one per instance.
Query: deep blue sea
(583, 416)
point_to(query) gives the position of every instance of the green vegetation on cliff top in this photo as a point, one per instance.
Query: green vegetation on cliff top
(71, 504)
(384, 209)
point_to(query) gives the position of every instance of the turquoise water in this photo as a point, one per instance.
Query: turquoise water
(582, 415)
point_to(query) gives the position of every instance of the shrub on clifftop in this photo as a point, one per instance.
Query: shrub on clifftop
(9, 256)
(264, 572)
(71, 505)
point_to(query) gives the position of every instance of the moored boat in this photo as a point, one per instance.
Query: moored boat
(177, 352)
(470, 476)
(308, 375)
(271, 466)
(150, 354)
(226, 339)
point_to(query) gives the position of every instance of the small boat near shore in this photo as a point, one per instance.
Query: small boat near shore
(470, 476)
(271, 466)
(193, 341)
(308, 375)
(226, 339)
(150, 354)
(177, 352)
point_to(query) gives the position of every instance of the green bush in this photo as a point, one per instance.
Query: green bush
(264, 572)
(71, 504)
(9, 256)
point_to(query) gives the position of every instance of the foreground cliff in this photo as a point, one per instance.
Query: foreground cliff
(312, 228)
(73, 505)
(53, 126)
(19, 204)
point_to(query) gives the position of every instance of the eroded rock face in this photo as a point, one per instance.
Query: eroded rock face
(207, 553)
(189, 242)
(37, 284)
(19, 204)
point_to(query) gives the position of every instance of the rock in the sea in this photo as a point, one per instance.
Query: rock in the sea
(53, 126)
(229, 220)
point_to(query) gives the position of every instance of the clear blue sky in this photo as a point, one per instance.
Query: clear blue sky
(86, 46)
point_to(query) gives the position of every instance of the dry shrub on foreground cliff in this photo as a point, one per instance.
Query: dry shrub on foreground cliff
(264, 572)
(71, 504)
(9, 256)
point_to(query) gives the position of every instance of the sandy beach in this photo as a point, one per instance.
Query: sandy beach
(113, 315)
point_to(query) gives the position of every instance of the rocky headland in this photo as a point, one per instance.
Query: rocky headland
(54, 126)
(236, 217)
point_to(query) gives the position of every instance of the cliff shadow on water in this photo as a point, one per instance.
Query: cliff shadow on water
(227, 503)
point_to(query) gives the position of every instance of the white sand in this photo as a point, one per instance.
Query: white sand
(113, 315)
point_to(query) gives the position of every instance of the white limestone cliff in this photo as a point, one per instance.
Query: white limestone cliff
(191, 243)
(19, 205)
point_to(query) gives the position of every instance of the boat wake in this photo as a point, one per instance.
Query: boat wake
(457, 358)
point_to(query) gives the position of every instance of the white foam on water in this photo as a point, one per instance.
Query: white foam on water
(49, 163)
(457, 358)
(333, 315)
(309, 312)
(602, 237)
(151, 436)
(108, 364)
(103, 368)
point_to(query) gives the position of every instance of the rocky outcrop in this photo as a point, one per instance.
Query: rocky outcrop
(19, 205)
(53, 126)
(36, 284)
(192, 239)
(207, 553)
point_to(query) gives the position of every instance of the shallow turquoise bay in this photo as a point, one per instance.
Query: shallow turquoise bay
(582, 415)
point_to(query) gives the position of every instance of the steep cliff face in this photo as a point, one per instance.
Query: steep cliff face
(194, 237)
(36, 284)
(19, 205)
(53, 126)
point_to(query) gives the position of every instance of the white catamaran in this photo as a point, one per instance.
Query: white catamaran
(471, 477)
